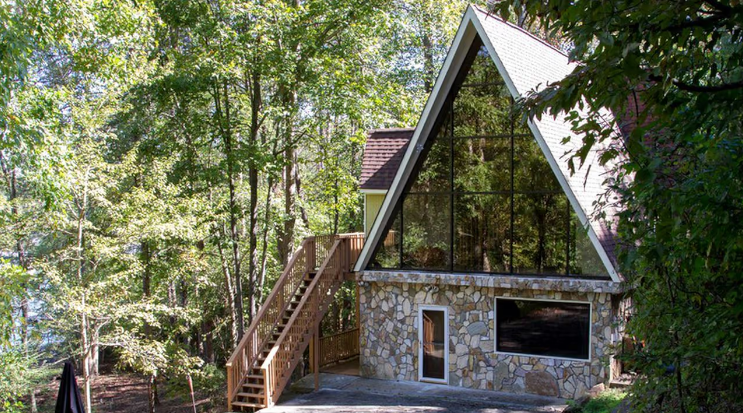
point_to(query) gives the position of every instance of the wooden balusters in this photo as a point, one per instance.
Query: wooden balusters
(336, 254)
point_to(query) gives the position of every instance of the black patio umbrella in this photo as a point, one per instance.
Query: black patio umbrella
(68, 399)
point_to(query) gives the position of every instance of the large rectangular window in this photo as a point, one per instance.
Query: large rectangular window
(559, 329)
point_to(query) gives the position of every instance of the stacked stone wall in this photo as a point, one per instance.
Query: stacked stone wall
(389, 338)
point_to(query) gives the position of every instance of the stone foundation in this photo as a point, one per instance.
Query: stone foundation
(389, 335)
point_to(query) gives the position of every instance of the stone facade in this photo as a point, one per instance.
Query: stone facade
(389, 304)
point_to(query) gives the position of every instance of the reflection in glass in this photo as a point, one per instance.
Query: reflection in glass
(434, 174)
(543, 328)
(531, 172)
(584, 259)
(482, 196)
(482, 233)
(540, 233)
(426, 232)
(434, 344)
(482, 165)
(388, 254)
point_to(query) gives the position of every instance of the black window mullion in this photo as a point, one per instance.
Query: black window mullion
(567, 244)
(402, 226)
(510, 257)
(451, 184)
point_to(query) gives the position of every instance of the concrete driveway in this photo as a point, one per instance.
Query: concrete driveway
(358, 395)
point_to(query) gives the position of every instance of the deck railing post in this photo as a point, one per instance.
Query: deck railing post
(311, 257)
(313, 343)
(316, 357)
(230, 386)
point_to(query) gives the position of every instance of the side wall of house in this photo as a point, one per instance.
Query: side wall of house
(372, 205)
(389, 337)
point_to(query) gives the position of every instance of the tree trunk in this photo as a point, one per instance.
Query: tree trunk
(264, 250)
(84, 323)
(255, 110)
(94, 350)
(152, 396)
(12, 180)
(229, 147)
(230, 294)
(287, 235)
(428, 63)
(207, 342)
(146, 280)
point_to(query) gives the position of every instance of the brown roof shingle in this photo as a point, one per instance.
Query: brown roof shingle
(383, 153)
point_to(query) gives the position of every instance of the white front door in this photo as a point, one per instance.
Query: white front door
(433, 352)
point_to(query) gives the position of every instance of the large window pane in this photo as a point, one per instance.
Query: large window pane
(482, 165)
(482, 110)
(434, 174)
(388, 254)
(543, 328)
(532, 172)
(482, 70)
(584, 259)
(483, 197)
(540, 234)
(482, 232)
(426, 233)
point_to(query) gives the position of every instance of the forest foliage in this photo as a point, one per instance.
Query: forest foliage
(673, 73)
(161, 159)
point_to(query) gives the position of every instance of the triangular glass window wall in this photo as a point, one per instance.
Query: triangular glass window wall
(482, 197)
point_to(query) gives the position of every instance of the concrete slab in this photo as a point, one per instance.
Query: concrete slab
(341, 394)
(348, 367)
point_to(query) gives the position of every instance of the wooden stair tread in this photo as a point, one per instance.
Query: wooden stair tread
(250, 395)
(248, 404)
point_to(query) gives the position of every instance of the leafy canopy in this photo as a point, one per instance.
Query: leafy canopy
(672, 73)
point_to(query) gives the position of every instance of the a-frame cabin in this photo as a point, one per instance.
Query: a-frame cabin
(487, 266)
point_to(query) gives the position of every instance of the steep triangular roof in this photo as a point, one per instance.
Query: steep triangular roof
(526, 63)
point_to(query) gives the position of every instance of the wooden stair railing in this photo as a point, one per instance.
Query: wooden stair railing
(338, 347)
(261, 365)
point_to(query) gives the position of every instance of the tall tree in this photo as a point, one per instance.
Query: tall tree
(671, 72)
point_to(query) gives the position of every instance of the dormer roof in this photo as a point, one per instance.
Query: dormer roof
(383, 154)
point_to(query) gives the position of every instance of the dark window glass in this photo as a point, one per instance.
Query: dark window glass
(434, 344)
(482, 196)
(434, 174)
(543, 328)
(388, 254)
(482, 70)
(482, 233)
(482, 106)
(584, 259)
(426, 238)
(540, 233)
(482, 165)
(482, 110)
(531, 171)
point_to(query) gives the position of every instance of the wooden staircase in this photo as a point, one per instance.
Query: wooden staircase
(261, 365)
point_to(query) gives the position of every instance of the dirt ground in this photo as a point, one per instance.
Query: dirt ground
(127, 393)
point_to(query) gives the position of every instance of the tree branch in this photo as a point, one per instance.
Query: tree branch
(701, 88)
